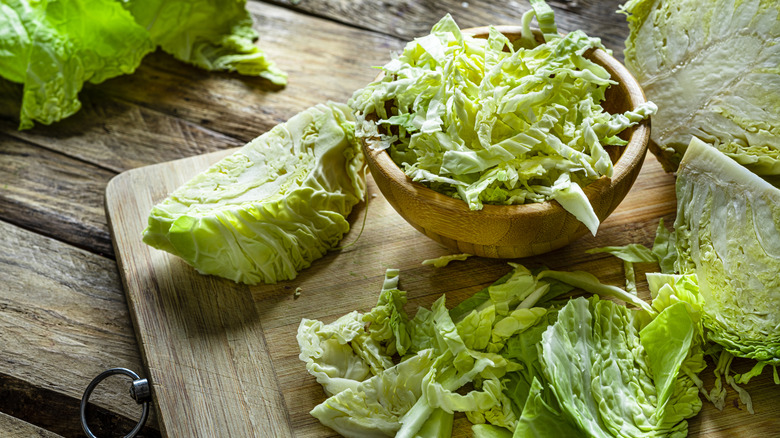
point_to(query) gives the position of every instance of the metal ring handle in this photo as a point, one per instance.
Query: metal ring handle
(91, 387)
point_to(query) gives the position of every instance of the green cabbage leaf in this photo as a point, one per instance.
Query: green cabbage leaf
(53, 47)
(210, 34)
(612, 377)
(487, 125)
(712, 68)
(271, 208)
(517, 360)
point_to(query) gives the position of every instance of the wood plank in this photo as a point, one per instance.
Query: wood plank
(116, 135)
(15, 428)
(408, 19)
(54, 195)
(64, 320)
(205, 338)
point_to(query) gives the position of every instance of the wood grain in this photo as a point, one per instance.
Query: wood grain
(408, 19)
(223, 356)
(115, 135)
(64, 320)
(15, 428)
(53, 194)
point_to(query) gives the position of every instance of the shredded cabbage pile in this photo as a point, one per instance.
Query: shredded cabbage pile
(489, 121)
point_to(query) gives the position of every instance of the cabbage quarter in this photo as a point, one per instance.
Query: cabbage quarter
(496, 122)
(268, 210)
(728, 233)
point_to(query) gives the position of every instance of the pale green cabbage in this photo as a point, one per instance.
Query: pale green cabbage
(486, 125)
(54, 46)
(210, 34)
(713, 69)
(536, 366)
(728, 233)
(268, 210)
(442, 261)
(612, 378)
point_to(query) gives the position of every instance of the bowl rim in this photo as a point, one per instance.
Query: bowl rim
(631, 157)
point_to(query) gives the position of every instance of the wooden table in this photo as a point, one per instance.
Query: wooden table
(63, 313)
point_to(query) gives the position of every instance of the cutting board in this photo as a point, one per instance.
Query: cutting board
(222, 358)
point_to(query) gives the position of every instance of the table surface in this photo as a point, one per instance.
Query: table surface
(63, 314)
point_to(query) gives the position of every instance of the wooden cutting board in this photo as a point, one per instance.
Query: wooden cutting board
(223, 359)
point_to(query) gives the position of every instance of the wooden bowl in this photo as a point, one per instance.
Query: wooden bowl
(511, 231)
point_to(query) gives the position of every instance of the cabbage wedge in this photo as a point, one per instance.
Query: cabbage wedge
(268, 210)
(728, 233)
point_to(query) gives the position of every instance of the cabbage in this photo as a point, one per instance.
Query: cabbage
(611, 378)
(54, 46)
(268, 210)
(728, 234)
(712, 68)
(210, 34)
(442, 261)
(485, 125)
(536, 366)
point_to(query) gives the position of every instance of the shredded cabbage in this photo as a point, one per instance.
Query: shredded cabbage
(488, 125)
(270, 209)
(712, 67)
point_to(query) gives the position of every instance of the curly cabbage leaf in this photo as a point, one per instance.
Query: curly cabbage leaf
(536, 367)
(340, 354)
(271, 208)
(375, 407)
(53, 47)
(611, 378)
(210, 34)
(713, 69)
(487, 125)
(728, 234)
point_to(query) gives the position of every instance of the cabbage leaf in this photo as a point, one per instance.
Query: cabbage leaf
(712, 68)
(53, 47)
(271, 208)
(536, 366)
(611, 378)
(210, 34)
